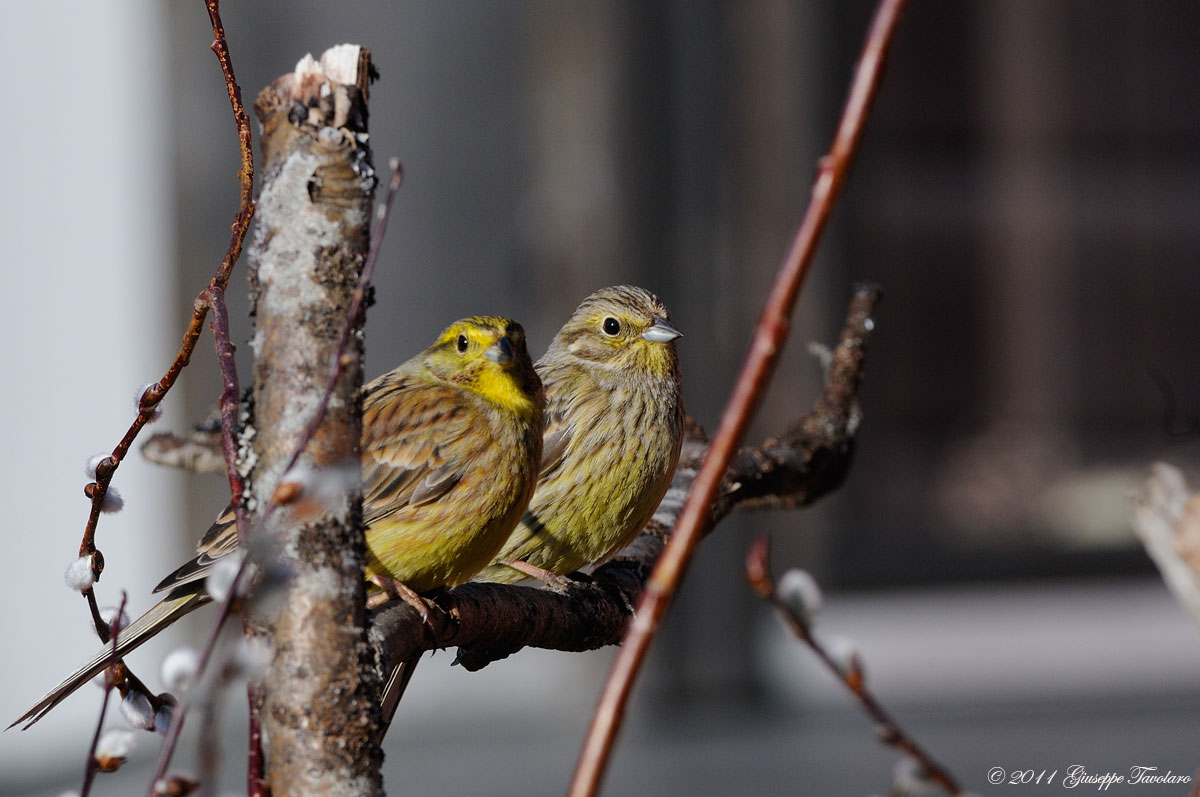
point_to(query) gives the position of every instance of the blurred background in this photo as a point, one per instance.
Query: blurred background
(1027, 195)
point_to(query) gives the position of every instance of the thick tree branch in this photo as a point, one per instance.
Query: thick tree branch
(319, 694)
(488, 622)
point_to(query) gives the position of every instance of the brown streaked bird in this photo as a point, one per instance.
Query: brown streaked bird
(450, 450)
(614, 428)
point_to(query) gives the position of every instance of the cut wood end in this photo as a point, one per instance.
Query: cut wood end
(345, 63)
(321, 93)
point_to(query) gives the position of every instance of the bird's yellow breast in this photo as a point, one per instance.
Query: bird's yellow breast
(500, 388)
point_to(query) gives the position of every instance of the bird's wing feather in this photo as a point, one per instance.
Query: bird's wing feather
(402, 465)
(555, 440)
(219, 541)
(412, 448)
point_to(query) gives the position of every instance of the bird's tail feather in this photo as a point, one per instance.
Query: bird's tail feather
(162, 614)
(394, 689)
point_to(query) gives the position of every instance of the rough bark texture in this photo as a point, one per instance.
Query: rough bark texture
(489, 622)
(320, 690)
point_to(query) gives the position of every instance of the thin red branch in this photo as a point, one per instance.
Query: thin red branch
(758, 572)
(241, 224)
(89, 772)
(760, 364)
(214, 295)
(230, 395)
(256, 785)
(224, 610)
(147, 405)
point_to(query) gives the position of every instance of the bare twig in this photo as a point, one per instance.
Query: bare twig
(758, 572)
(760, 364)
(89, 772)
(197, 451)
(212, 298)
(148, 403)
(216, 290)
(256, 781)
(229, 405)
(179, 715)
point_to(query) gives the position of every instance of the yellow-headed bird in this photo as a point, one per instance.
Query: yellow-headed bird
(450, 450)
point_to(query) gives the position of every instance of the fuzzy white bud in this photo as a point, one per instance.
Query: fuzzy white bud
(909, 777)
(113, 502)
(93, 463)
(220, 579)
(137, 402)
(325, 487)
(115, 743)
(165, 713)
(179, 669)
(179, 783)
(110, 615)
(799, 591)
(844, 653)
(79, 575)
(136, 709)
(252, 656)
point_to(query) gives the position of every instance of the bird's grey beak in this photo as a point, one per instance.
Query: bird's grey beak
(661, 331)
(500, 351)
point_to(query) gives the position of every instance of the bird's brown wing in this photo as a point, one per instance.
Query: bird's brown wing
(555, 439)
(557, 431)
(413, 450)
(406, 432)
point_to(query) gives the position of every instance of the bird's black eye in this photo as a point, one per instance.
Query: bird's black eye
(611, 326)
(462, 343)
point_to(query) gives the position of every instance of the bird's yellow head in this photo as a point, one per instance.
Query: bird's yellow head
(487, 355)
(623, 328)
